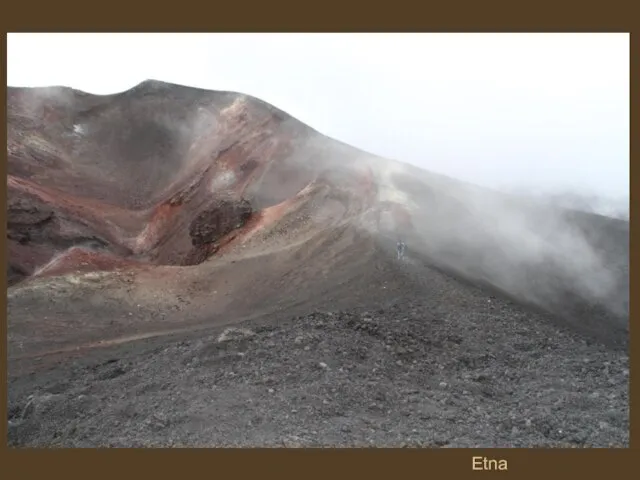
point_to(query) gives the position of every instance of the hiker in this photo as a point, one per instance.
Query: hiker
(401, 248)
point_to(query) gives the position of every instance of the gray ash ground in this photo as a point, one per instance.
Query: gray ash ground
(482, 373)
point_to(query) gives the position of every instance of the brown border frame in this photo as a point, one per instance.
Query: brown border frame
(297, 16)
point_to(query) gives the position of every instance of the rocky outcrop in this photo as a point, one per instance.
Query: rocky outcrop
(218, 220)
(212, 225)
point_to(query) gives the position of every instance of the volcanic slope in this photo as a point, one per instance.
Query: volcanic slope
(167, 198)
(166, 210)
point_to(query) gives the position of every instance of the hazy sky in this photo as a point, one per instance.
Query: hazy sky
(537, 111)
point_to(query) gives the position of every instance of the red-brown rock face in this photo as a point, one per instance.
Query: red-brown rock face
(160, 174)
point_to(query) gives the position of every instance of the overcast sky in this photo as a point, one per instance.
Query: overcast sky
(531, 111)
